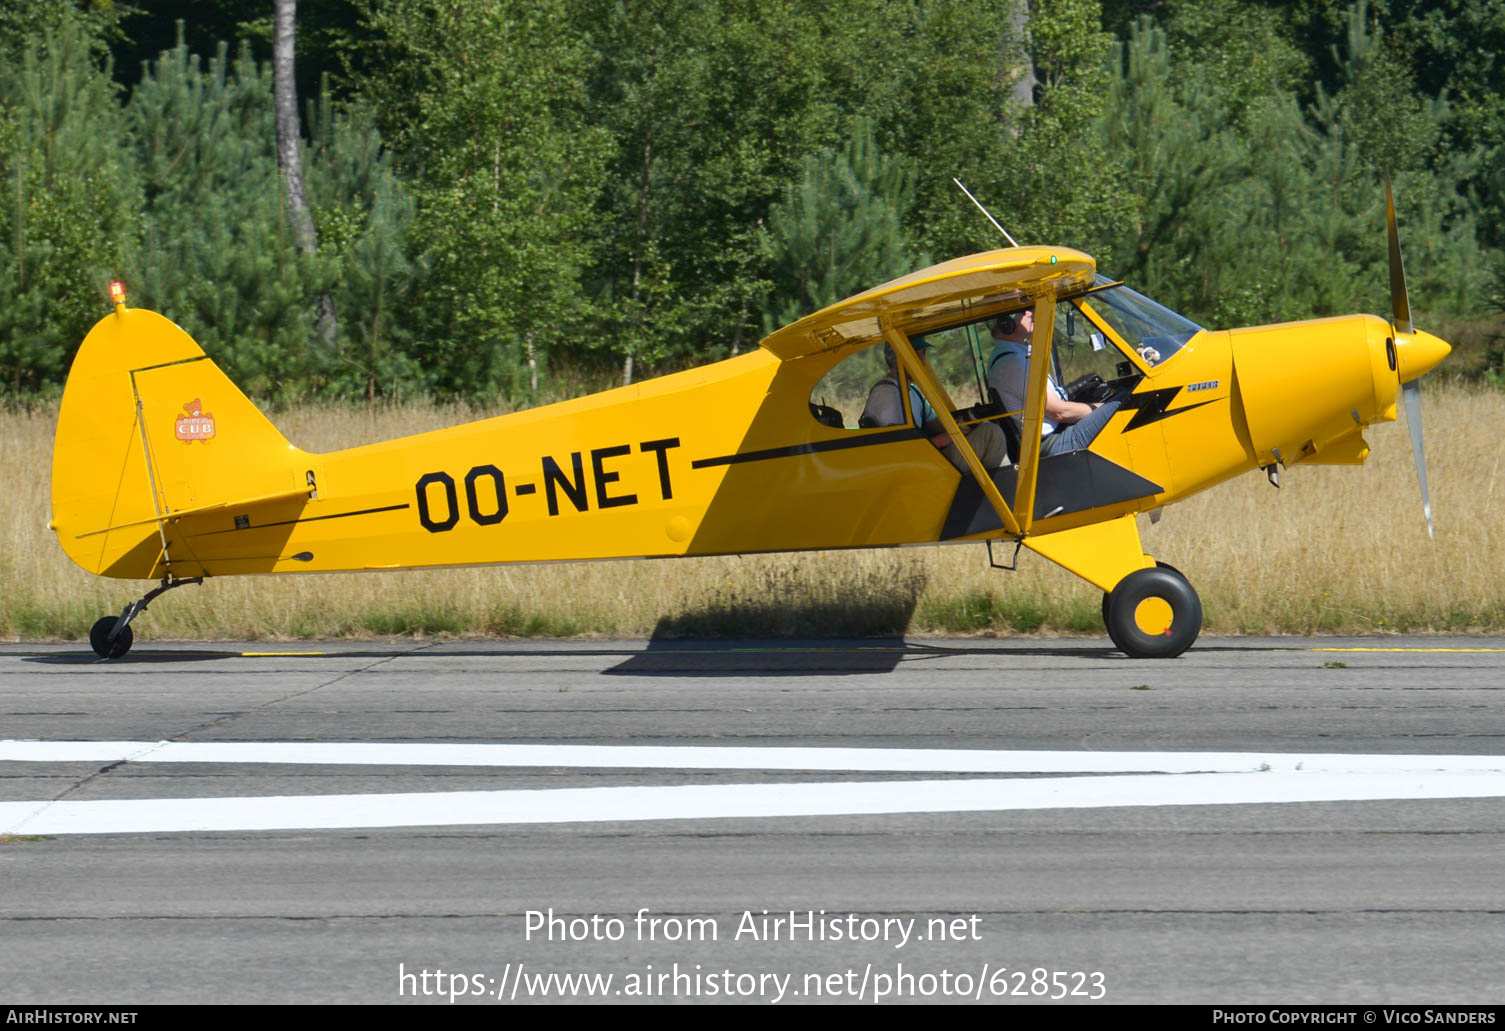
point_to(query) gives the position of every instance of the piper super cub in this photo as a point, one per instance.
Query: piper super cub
(163, 470)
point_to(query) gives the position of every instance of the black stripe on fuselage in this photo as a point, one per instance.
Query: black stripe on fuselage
(810, 448)
(310, 519)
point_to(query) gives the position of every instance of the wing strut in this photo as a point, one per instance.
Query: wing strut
(1034, 411)
(931, 388)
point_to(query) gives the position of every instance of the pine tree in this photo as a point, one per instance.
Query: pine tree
(216, 253)
(68, 203)
(364, 216)
(837, 230)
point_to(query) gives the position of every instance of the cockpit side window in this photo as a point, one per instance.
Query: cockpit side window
(841, 395)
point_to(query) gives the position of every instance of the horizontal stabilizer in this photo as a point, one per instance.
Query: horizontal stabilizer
(296, 492)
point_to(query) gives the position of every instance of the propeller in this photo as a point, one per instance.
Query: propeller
(1408, 340)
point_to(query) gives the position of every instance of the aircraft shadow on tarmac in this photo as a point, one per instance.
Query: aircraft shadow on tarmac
(662, 657)
(137, 657)
(671, 655)
(751, 637)
(747, 657)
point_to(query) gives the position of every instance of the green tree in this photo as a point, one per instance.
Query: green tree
(216, 253)
(1243, 50)
(1058, 142)
(91, 23)
(1174, 137)
(711, 107)
(70, 202)
(837, 230)
(364, 215)
(714, 107)
(482, 100)
(1255, 208)
(945, 102)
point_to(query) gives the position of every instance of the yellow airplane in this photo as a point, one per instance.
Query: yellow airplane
(163, 470)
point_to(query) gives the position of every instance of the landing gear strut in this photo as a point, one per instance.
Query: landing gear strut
(112, 636)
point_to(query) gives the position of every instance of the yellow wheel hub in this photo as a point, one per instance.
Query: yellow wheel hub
(1153, 616)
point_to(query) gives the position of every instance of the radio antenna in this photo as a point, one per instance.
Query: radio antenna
(974, 200)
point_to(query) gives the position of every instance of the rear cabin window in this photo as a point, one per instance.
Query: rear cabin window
(840, 397)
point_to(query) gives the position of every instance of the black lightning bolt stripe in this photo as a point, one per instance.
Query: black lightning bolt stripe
(1150, 406)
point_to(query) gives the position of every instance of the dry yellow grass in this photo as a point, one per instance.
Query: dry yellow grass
(1337, 549)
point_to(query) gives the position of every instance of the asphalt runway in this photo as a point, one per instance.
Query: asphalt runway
(1260, 821)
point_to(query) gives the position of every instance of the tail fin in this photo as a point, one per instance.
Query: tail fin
(150, 429)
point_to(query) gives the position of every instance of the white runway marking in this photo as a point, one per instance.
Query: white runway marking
(1145, 779)
(706, 802)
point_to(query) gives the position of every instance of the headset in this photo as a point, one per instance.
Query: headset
(1007, 323)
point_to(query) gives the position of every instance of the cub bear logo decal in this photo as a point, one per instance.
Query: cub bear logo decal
(196, 425)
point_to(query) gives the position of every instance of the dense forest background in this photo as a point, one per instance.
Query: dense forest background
(519, 199)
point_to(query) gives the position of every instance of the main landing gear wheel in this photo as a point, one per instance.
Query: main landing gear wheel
(1153, 614)
(1158, 565)
(99, 638)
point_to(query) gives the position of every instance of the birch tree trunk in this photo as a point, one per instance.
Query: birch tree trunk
(289, 151)
(1023, 90)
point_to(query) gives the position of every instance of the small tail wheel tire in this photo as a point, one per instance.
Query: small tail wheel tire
(1153, 614)
(99, 638)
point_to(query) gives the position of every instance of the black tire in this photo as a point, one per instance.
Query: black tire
(1153, 614)
(99, 638)
(1161, 565)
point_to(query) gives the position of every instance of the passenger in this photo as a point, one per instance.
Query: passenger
(885, 407)
(1066, 425)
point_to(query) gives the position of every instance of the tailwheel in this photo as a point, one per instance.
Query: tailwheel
(111, 636)
(1153, 614)
(101, 642)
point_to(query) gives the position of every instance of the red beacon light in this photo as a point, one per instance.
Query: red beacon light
(117, 294)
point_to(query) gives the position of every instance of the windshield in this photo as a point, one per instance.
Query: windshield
(1152, 329)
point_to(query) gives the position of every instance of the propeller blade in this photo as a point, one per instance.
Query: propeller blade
(1413, 422)
(1400, 304)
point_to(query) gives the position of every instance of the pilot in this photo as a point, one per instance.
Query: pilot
(1066, 425)
(885, 407)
